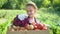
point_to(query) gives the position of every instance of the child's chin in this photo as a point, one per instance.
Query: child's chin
(30, 15)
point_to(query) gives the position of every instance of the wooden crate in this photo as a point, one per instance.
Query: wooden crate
(29, 32)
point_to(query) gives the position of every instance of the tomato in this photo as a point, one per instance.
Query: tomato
(44, 27)
(35, 27)
(39, 26)
(29, 27)
(22, 28)
(26, 26)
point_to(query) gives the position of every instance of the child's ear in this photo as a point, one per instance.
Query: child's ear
(35, 11)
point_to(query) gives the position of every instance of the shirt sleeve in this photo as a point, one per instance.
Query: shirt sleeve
(16, 21)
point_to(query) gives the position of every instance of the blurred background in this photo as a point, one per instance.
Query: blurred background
(48, 13)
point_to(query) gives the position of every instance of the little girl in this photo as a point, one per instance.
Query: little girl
(22, 20)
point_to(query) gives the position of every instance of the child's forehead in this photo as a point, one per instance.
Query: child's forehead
(30, 7)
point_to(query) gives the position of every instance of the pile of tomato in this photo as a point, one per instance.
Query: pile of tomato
(30, 27)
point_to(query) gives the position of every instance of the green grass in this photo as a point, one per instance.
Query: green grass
(46, 16)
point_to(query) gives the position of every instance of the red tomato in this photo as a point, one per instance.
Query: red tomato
(44, 27)
(39, 26)
(34, 24)
(22, 28)
(26, 26)
(35, 27)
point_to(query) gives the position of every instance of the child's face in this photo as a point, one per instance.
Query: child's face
(30, 11)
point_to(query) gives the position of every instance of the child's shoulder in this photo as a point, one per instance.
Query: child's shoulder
(22, 16)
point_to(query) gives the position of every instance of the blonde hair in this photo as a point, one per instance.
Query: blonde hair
(32, 4)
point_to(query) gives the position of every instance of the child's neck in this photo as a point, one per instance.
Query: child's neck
(31, 17)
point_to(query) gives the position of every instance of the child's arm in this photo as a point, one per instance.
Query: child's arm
(15, 24)
(16, 21)
(19, 20)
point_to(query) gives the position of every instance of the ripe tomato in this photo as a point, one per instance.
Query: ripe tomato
(22, 28)
(44, 27)
(26, 26)
(35, 27)
(39, 26)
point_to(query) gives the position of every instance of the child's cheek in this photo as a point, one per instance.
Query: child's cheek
(29, 13)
